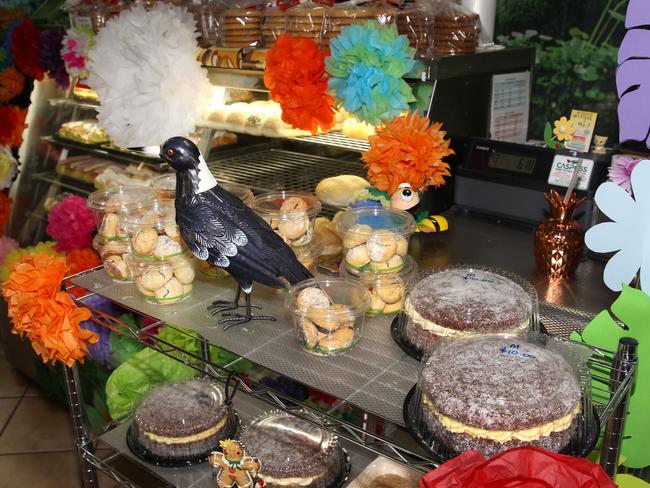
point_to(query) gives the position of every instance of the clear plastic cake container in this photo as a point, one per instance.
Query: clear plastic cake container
(328, 314)
(499, 391)
(503, 303)
(290, 214)
(386, 290)
(295, 452)
(375, 239)
(181, 423)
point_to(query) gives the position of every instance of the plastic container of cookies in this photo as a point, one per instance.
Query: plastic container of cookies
(307, 20)
(274, 24)
(153, 231)
(416, 23)
(328, 314)
(375, 238)
(348, 13)
(291, 214)
(163, 282)
(110, 207)
(114, 256)
(308, 255)
(165, 189)
(386, 290)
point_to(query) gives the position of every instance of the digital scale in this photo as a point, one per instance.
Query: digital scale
(508, 180)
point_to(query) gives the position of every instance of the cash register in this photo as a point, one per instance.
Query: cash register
(508, 180)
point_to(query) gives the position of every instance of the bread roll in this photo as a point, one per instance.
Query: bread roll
(340, 190)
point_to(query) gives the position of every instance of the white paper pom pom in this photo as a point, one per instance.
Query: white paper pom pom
(143, 68)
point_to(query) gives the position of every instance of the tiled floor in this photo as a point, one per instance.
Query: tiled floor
(36, 447)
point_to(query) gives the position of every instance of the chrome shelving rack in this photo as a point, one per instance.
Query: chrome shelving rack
(380, 430)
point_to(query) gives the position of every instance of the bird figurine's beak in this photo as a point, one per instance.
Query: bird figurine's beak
(146, 150)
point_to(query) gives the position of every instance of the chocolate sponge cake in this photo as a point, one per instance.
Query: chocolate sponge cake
(459, 302)
(181, 422)
(493, 393)
(293, 452)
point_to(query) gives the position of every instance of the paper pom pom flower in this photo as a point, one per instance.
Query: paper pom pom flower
(620, 171)
(366, 69)
(50, 56)
(79, 260)
(74, 51)
(8, 167)
(71, 224)
(25, 47)
(48, 317)
(408, 149)
(295, 76)
(12, 83)
(17, 254)
(151, 53)
(7, 244)
(12, 125)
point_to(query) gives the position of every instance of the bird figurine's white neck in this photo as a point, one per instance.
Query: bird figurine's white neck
(206, 180)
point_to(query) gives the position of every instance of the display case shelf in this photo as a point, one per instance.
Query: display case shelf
(374, 380)
(336, 139)
(77, 186)
(105, 151)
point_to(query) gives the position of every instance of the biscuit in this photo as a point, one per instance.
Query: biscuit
(356, 235)
(382, 245)
(166, 247)
(393, 307)
(312, 296)
(152, 279)
(340, 339)
(184, 274)
(324, 318)
(187, 288)
(357, 257)
(306, 238)
(308, 332)
(402, 246)
(110, 226)
(172, 231)
(389, 292)
(116, 267)
(170, 292)
(144, 241)
(142, 289)
(294, 226)
(293, 203)
(393, 264)
(376, 304)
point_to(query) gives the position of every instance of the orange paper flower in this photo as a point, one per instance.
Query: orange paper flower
(79, 260)
(49, 318)
(295, 76)
(12, 83)
(407, 149)
(12, 125)
(5, 211)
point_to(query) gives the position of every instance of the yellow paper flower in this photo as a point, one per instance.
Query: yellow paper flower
(564, 129)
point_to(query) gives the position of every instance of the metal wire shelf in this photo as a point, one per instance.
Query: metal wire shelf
(612, 379)
(336, 139)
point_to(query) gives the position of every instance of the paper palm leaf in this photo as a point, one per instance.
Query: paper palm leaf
(633, 75)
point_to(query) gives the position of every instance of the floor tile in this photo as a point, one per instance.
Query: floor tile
(39, 424)
(34, 389)
(7, 406)
(12, 382)
(43, 470)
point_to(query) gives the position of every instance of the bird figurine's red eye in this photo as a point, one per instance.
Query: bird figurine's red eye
(170, 152)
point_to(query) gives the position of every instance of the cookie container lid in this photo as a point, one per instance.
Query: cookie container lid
(153, 213)
(341, 292)
(181, 409)
(290, 447)
(269, 204)
(376, 218)
(119, 199)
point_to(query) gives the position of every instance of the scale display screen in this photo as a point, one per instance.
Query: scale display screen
(512, 162)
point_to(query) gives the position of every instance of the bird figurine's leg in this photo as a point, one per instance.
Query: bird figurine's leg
(238, 319)
(219, 306)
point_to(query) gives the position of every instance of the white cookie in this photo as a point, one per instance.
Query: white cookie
(152, 279)
(382, 245)
(312, 296)
(166, 247)
(144, 241)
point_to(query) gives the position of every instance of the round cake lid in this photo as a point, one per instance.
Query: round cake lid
(288, 446)
(182, 408)
(500, 381)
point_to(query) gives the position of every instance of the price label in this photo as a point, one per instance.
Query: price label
(562, 171)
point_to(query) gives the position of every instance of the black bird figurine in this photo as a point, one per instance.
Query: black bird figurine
(220, 229)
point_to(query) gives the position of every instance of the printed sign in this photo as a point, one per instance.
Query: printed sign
(562, 171)
(584, 124)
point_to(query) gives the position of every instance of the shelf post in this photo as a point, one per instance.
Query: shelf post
(622, 367)
(82, 439)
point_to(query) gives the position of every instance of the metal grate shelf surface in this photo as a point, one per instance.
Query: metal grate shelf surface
(336, 139)
(275, 169)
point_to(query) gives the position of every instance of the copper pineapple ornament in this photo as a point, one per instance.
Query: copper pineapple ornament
(559, 240)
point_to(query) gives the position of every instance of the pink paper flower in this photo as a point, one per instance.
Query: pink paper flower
(7, 244)
(620, 171)
(71, 224)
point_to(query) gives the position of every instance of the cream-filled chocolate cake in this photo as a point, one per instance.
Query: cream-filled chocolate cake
(294, 453)
(464, 301)
(181, 422)
(493, 393)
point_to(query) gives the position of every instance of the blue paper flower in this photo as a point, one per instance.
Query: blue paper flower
(366, 67)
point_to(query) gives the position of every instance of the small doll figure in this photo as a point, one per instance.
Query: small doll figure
(408, 199)
(233, 468)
